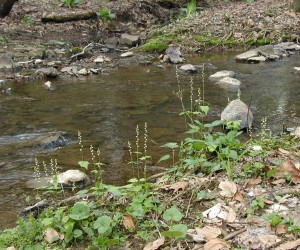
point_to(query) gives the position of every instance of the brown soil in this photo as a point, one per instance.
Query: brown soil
(266, 18)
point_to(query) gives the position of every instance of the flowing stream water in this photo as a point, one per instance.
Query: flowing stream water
(107, 108)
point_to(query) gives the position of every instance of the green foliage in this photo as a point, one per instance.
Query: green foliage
(105, 14)
(159, 43)
(27, 233)
(256, 205)
(172, 214)
(189, 10)
(70, 3)
(2, 39)
(27, 20)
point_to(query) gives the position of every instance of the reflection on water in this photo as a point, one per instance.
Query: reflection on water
(107, 108)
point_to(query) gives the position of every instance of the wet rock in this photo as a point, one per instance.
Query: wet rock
(6, 62)
(221, 74)
(257, 59)
(229, 83)
(289, 46)
(129, 40)
(83, 71)
(50, 140)
(174, 55)
(238, 110)
(188, 68)
(66, 179)
(127, 54)
(271, 52)
(111, 43)
(70, 70)
(245, 56)
(36, 53)
(49, 72)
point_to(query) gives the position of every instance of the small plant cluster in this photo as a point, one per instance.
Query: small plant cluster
(71, 3)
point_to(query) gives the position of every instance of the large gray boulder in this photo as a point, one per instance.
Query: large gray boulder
(129, 40)
(6, 62)
(238, 110)
(174, 55)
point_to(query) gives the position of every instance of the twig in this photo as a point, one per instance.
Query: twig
(189, 205)
(233, 234)
(82, 52)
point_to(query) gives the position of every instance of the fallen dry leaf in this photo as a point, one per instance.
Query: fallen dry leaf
(216, 244)
(253, 182)
(288, 167)
(228, 188)
(238, 197)
(177, 186)
(280, 229)
(208, 232)
(51, 235)
(11, 248)
(220, 212)
(128, 222)
(268, 240)
(289, 245)
(197, 238)
(155, 244)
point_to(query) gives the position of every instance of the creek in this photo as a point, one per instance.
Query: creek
(107, 108)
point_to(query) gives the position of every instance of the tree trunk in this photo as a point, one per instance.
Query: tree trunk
(296, 5)
(5, 7)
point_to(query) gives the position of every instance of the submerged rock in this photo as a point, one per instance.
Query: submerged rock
(238, 110)
(229, 83)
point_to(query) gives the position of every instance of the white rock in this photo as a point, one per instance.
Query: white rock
(48, 84)
(38, 61)
(99, 59)
(297, 68)
(127, 54)
(245, 56)
(221, 74)
(188, 68)
(71, 176)
(83, 71)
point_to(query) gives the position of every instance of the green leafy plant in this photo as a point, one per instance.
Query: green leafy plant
(70, 3)
(27, 20)
(105, 14)
(189, 10)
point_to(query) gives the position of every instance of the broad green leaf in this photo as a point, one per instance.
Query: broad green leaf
(171, 145)
(77, 233)
(164, 158)
(172, 214)
(84, 164)
(80, 211)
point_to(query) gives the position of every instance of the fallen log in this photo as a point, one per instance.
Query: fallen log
(68, 17)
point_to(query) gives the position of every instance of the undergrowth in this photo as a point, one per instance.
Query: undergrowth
(111, 216)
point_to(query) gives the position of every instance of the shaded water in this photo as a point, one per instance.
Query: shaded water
(107, 108)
